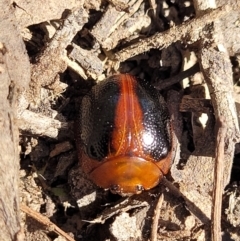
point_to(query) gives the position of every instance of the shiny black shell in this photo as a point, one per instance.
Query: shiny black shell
(99, 114)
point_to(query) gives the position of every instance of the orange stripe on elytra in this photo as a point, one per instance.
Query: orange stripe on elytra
(128, 126)
(121, 125)
(136, 121)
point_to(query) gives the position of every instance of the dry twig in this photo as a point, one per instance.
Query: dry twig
(190, 32)
(111, 19)
(40, 125)
(45, 221)
(14, 78)
(218, 182)
(162, 84)
(201, 105)
(156, 218)
(191, 206)
(50, 62)
(217, 70)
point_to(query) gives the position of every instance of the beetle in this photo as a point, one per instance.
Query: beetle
(124, 135)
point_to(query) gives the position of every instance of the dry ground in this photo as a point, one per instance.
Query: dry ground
(189, 54)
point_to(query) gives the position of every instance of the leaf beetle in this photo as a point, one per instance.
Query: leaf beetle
(124, 135)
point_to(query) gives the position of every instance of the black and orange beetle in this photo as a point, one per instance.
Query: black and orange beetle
(124, 135)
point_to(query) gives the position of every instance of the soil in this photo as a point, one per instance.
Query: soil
(160, 41)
